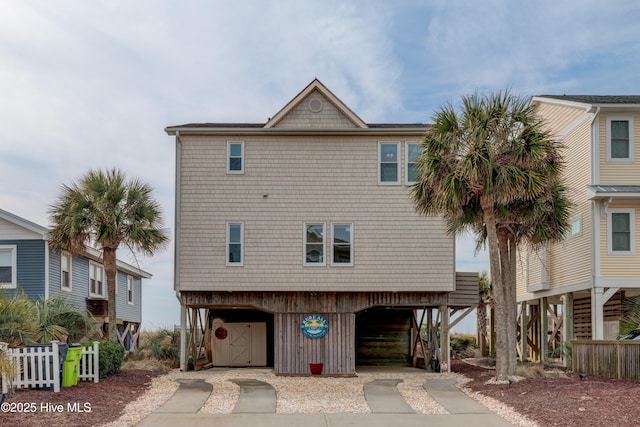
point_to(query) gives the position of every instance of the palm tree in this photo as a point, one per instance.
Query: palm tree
(59, 320)
(107, 210)
(477, 165)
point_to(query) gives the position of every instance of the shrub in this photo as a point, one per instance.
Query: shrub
(111, 355)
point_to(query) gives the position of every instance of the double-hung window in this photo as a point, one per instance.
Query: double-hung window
(96, 280)
(65, 271)
(314, 244)
(130, 289)
(619, 138)
(235, 239)
(342, 244)
(8, 266)
(621, 231)
(389, 163)
(235, 157)
(412, 153)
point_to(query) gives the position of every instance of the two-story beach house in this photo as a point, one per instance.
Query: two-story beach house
(582, 282)
(296, 241)
(27, 264)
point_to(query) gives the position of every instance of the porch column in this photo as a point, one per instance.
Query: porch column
(444, 337)
(599, 298)
(183, 337)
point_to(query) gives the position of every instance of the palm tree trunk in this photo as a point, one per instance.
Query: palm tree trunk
(507, 262)
(482, 328)
(111, 270)
(502, 361)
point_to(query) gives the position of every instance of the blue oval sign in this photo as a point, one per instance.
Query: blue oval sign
(314, 326)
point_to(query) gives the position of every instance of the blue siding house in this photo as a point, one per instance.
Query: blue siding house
(28, 265)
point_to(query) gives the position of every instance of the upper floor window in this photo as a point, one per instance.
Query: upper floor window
(389, 166)
(621, 231)
(619, 138)
(235, 157)
(235, 238)
(342, 235)
(65, 271)
(576, 226)
(130, 289)
(314, 244)
(96, 280)
(8, 266)
(413, 152)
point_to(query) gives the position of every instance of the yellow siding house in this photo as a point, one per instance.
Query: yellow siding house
(577, 288)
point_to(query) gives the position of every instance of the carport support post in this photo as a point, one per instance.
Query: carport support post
(567, 323)
(183, 338)
(444, 337)
(544, 329)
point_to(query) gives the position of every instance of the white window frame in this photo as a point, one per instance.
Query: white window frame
(629, 119)
(333, 242)
(93, 268)
(69, 258)
(13, 249)
(229, 157)
(324, 245)
(228, 242)
(130, 288)
(398, 162)
(632, 234)
(406, 161)
(573, 233)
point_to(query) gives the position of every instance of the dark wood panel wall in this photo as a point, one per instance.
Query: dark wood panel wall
(294, 351)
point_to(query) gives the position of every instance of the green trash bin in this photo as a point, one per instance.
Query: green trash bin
(71, 366)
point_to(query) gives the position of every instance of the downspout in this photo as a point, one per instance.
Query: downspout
(176, 257)
(595, 217)
(46, 270)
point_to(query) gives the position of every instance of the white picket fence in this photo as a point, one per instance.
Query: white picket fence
(40, 366)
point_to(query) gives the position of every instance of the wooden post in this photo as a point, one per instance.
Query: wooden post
(523, 331)
(544, 329)
(444, 337)
(567, 312)
(183, 337)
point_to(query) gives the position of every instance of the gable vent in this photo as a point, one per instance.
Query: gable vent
(315, 105)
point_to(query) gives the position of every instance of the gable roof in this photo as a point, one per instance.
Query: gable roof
(24, 223)
(597, 100)
(322, 89)
(90, 252)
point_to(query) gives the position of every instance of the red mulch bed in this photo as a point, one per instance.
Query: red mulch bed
(593, 401)
(101, 403)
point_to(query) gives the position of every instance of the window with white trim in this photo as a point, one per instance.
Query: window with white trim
(96, 280)
(65, 271)
(342, 244)
(8, 266)
(235, 157)
(235, 239)
(621, 238)
(314, 244)
(389, 163)
(413, 151)
(130, 289)
(620, 138)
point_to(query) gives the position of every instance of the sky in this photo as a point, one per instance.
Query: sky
(92, 85)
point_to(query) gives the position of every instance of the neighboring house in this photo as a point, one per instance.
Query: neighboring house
(29, 265)
(301, 226)
(583, 281)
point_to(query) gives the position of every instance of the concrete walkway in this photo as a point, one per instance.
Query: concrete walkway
(445, 392)
(256, 397)
(256, 407)
(383, 397)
